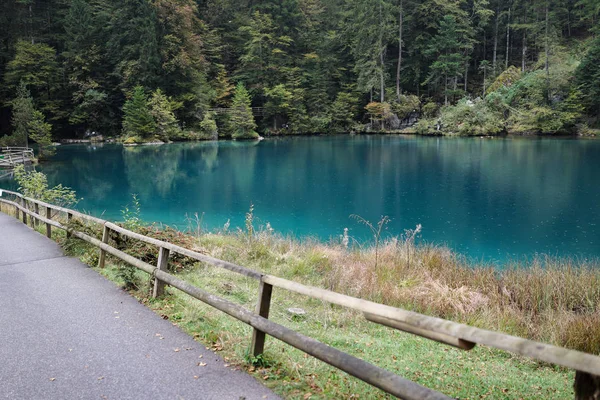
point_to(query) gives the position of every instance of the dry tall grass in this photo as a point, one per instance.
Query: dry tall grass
(547, 299)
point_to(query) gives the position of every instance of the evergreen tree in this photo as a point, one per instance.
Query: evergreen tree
(132, 42)
(137, 117)
(29, 123)
(265, 53)
(208, 126)
(447, 46)
(183, 40)
(36, 66)
(242, 119)
(588, 78)
(87, 67)
(161, 109)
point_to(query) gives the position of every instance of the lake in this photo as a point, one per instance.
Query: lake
(489, 199)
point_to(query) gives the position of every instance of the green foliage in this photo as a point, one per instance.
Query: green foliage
(343, 111)
(132, 213)
(35, 185)
(30, 123)
(161, 109)
(22, 114)
(242, 119)
(544, 104)
(405, 105)
(449, 49)
(264, 56)
(430, 109)
(137, 118)
(208, 126)
(39, 131)
(471, 118)
(279, 104)
(35, 65)
(313, 65)
(588, 78)
(505, 79)
(379, 111)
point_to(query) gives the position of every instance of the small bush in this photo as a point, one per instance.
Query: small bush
(35, 185)
(469, 118)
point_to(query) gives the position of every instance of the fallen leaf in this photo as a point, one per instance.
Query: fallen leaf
(176, 350)
(202, 364)
(195, 376)
(52, 379)
(100, 378)
(307, 396)
(200, 356)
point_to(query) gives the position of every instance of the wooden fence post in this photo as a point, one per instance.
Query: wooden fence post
(102, 252)
(587, 386)
(36, 209)
(48, 226)
(262, 308)
(69, 218)
(163, 261)
(31, 217)
(24, 205)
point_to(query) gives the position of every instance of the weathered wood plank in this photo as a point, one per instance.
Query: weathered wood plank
(262, 308)
(163, 262)
(587, 386)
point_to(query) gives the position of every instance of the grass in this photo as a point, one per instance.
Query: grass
(547, 299)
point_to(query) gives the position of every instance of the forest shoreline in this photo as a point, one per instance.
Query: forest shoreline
(405, 132)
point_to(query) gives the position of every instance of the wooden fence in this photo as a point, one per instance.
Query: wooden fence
(10, 157)
(587, 366)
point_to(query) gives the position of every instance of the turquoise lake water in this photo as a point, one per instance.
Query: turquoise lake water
(491, 199)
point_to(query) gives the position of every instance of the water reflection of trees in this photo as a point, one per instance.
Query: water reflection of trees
(152, 170)
(464, 191)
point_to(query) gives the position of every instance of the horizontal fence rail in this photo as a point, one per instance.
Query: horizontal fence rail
(10, 157)
(587, 366)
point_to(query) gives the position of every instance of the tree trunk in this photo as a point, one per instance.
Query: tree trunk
(399, 67)
(466, 73)
(484, 73)
(524, 50)
(496, 40)
(31, 24)
(454, 88)
(445, 90)
(547, 51)
(507, 40)
(381, 48)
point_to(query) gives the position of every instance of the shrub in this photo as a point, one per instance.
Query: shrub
(208, 126)
(405, 105)
(429, 109)
(35, 185)
(471, 118)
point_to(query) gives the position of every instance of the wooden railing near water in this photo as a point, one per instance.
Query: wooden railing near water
(10, 157)
(587, 366)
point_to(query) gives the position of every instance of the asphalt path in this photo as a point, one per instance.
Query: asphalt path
(68, 333)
